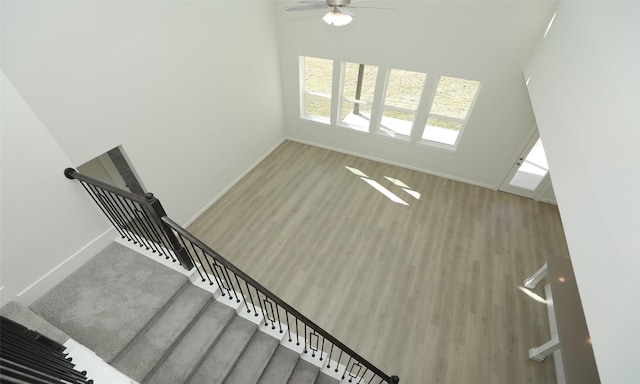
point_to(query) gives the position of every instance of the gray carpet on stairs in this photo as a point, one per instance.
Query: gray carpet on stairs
(304, 373)
(144, 352)
(108, 300)
(253, 360)
(221, 358)
(156, 327)
(186, 355)
(280, 367)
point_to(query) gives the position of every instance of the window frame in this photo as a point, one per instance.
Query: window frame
(421, 114)
(383, 106)
(343, 99)
(302, 71)
(463, 122)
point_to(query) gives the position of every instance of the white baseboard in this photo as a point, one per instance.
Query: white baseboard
(394, 163)
(232, 184)
(64, 269)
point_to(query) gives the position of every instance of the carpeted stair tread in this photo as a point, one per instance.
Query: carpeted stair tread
(106, 302)
(220, 360)
(304, 373)
(280, 367)
(254, 359)
(148, 348)
(326, 379)
(193, 345)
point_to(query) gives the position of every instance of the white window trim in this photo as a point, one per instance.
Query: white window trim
(302, 71)
(432, 143)
(378, 106)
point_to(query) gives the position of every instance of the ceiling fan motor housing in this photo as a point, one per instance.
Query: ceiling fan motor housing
(338, 3)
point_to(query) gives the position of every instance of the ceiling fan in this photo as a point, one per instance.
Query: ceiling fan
(339, 10)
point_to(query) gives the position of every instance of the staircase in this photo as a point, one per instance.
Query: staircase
(151, 323)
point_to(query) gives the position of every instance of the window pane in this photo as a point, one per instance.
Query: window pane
(404, 89)
(369, 75)
(356, 108)
(396, 123)
(454, 97)
(358, 121)
(441, 130)
(318, 75)
(317, 106)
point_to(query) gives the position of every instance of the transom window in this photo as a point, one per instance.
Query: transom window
(316, 89)
(387, 101)
(450, 110)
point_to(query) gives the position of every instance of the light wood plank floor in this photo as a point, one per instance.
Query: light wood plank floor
(427, 291)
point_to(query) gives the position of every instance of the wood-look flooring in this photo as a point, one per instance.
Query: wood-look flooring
(427, 291)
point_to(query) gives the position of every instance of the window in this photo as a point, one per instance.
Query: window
(316, 90)
(358, 88)
(450, 110)
(401, 100)
(391, 107)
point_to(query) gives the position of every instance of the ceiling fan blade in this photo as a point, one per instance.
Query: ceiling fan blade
(305, 7)
(345, 11)
(365, 7)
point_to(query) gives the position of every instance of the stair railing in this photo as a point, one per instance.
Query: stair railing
(27, 356)
(135, 217)
(143, 221)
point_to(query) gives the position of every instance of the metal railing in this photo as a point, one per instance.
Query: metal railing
(143, 221)
(29, 357)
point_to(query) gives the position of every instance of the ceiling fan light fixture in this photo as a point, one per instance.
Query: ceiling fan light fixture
(337, 18)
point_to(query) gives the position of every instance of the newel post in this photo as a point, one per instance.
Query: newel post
(158, 213)
(394, 380)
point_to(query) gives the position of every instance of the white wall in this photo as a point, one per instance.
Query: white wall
(485, 41)
(46, 219)
(585, 91)
(191, 90)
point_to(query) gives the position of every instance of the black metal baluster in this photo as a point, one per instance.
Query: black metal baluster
(111, 211)
(192, 252)
(216, 270)
(305, 338)
(244, 297)
(223, 281)
(346, 367)
(157, 239)
(185, 246)
(278, 318)
(272, 320)
(322, 348)
(95, 199)
(329, 359)
(286, 313)
(133, 223)
(264, 315)
(225, 270)
(339, 357)
(297, 331)
(251, 298)
(216, 275)
(115, 204)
